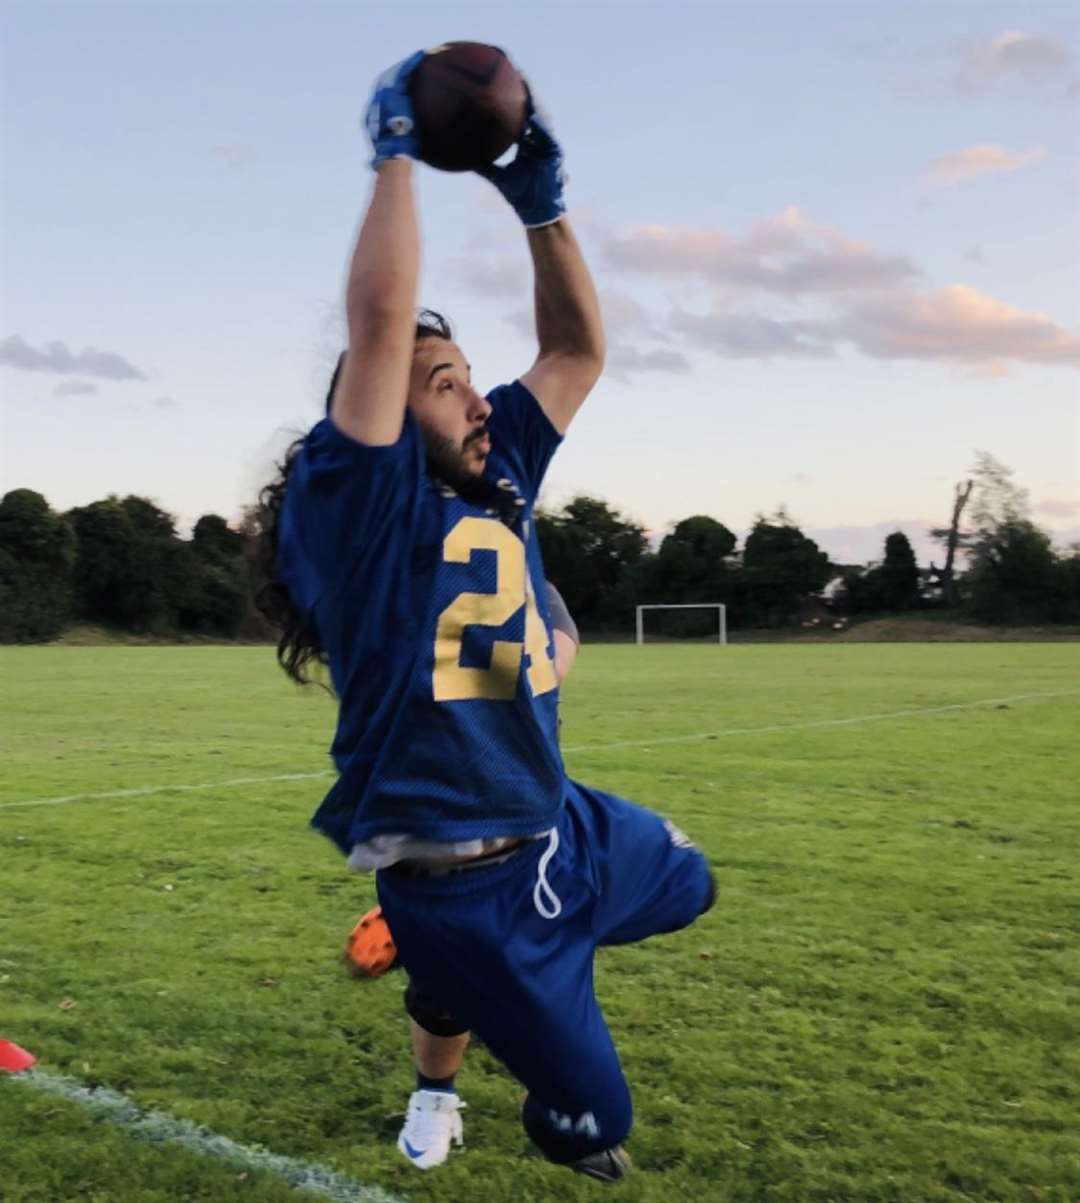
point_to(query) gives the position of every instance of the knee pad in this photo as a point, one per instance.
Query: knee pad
(429, 1014)
(565, 1139)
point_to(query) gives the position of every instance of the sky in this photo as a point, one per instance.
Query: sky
(837, 247)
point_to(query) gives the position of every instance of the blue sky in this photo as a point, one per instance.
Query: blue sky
(838, 247)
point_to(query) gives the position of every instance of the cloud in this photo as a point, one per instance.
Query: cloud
(74, 388)
(1013, 56)
(991, 369)
(523, 321)
(626, 359)
(794, 289)
(973, 161)
(164, 402)
(624, 316)
(1058, 507)
(751, 336)
(16, 352)
(866, 544)
(624, 319)
(787, 254)
(493, 277)
(627, 323)
(956, 323)
(1067, 539)
(233, 154)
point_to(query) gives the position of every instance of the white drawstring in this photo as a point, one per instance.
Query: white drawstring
(551, 907)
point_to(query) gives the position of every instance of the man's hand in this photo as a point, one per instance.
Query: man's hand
(390, 121)
(533, 182)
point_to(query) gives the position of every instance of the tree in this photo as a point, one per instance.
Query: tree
(37, 552)
(587, 548)
(704, 539)
(998, 499)
(1064, 601)
(215, 585)
(781, 566)
(953, 539)
(214, 539)
(690, 566)
(862, 593)
(899, 574)
(1013, 577)
(124, 568)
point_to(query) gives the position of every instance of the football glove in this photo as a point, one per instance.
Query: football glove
(391, 125)
(370, 950)
(533, 182)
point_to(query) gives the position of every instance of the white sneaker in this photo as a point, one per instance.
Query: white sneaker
(433, 1120)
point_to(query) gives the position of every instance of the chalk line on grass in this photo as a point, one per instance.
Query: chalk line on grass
(821, 722)
(772, 728)
(143, 790)
(160, 1128)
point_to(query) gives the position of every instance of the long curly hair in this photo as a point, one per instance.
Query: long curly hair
(299, 647)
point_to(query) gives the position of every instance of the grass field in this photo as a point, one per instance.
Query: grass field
(883, 1006)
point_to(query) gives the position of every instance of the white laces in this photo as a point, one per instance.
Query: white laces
(547, 902)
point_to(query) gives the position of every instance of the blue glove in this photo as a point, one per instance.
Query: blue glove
(533, 182)
(390, 121)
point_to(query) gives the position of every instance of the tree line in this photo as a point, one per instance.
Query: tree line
(121, 563)
(1012, 574)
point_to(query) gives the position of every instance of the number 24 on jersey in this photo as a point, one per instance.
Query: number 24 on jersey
(452, 681)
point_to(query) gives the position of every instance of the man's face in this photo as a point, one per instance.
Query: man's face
(451, 414)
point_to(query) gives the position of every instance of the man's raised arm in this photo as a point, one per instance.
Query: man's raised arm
(568, 324)
(569, 328)
(380, 293)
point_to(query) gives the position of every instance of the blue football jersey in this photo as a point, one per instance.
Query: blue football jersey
(433, 615)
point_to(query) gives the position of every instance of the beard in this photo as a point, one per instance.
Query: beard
(446, 461)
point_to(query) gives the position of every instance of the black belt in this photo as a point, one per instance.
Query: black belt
(422, 868)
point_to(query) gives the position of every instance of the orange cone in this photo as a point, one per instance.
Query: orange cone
(14, 1059)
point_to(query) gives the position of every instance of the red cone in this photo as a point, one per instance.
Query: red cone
(14, 1059)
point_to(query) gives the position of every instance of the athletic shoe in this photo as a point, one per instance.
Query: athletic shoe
(370, 950)
(433, 1120)
(609, 1165)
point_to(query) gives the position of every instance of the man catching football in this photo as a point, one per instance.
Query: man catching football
(407, 560)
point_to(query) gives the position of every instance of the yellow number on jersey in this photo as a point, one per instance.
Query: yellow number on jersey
(454, 683)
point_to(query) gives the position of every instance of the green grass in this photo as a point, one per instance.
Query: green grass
(883, 1006)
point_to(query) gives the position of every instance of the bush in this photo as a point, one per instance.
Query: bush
(37, 552)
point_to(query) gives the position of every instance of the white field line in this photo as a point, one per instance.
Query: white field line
(143, 790)
(158, 1127)
(821, 722)
(916, 712)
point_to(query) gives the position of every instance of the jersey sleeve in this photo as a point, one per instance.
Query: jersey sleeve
(560, 615)
(522, 433)
(342, 498)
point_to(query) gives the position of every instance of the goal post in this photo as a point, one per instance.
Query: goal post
(719, 607)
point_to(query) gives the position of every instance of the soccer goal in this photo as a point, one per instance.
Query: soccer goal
(719, 607)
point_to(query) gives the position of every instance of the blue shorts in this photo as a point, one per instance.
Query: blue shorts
(508, 950)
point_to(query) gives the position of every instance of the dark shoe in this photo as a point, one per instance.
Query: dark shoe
(609, 1165)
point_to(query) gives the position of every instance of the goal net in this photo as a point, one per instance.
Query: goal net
(709, 622)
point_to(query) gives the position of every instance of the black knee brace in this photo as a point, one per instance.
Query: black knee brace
(429, 1014)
